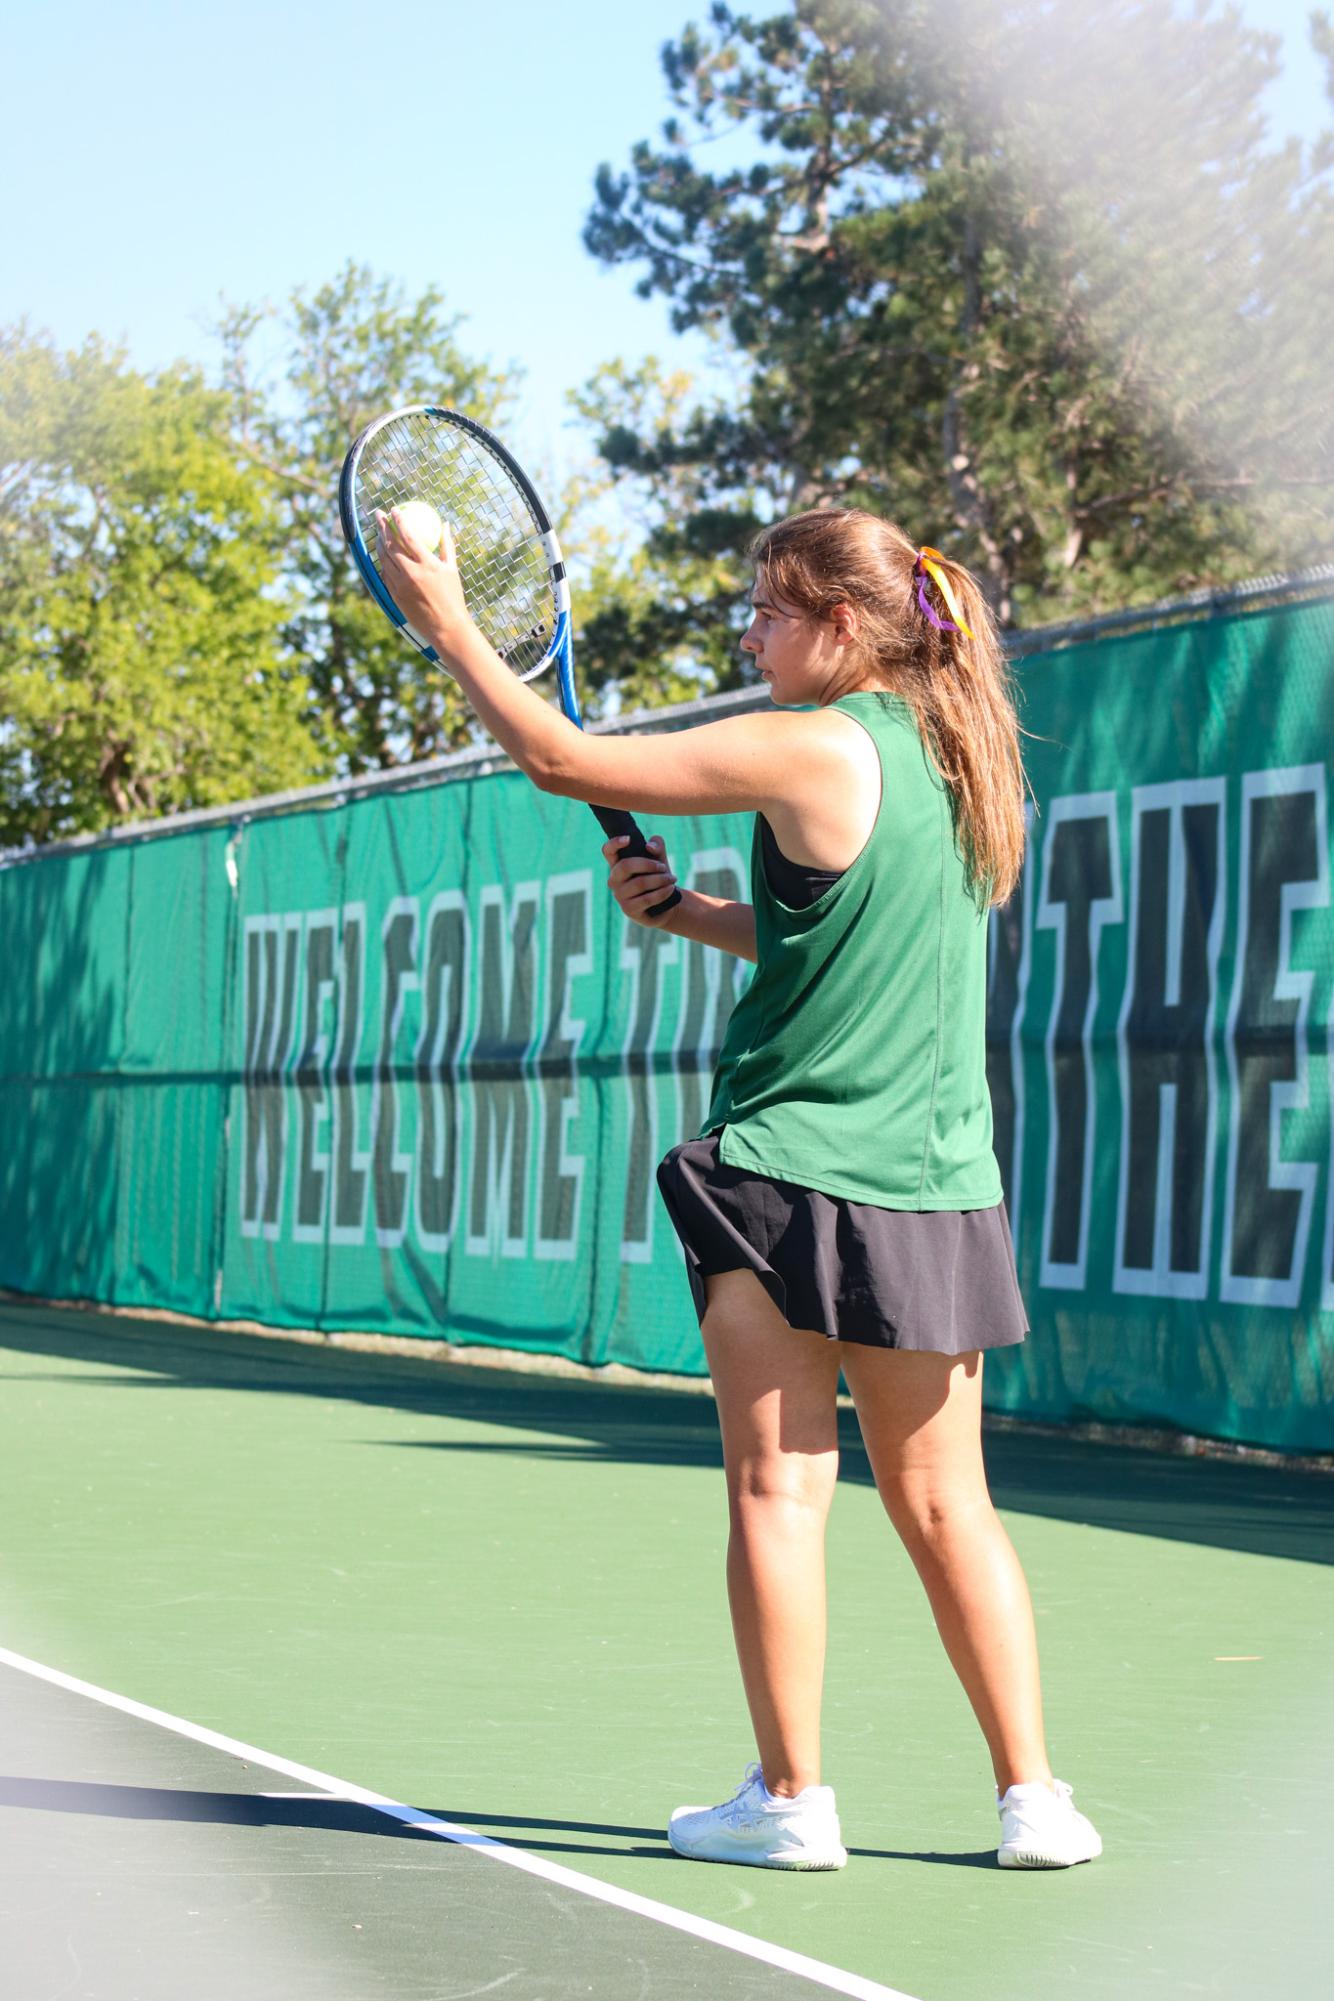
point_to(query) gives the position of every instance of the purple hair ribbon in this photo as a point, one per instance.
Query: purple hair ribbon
(928, 564)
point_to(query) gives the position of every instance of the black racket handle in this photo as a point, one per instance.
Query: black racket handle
(614, 820)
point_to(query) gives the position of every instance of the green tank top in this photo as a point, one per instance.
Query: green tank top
(855, 1061)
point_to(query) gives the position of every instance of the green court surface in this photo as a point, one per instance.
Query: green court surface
(499, 1599)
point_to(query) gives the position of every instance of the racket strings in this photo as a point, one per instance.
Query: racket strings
(501, 560)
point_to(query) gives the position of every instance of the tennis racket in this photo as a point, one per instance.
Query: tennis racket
(510, 563)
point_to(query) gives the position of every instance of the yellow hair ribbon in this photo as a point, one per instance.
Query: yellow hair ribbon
(929, 561)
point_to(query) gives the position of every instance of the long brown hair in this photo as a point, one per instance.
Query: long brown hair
(958, 689)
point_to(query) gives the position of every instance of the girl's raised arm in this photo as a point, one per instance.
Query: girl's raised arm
(740, 765)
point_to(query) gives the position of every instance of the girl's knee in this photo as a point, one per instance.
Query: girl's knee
(928, 1512)
(787, 1486)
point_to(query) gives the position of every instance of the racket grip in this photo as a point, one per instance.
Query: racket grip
(614, 820)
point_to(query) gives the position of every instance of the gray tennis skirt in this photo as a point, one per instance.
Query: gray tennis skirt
(940, 1280)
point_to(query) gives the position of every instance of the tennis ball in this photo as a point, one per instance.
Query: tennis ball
(420, 521)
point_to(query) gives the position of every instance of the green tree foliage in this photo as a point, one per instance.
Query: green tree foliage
(141, 665)
(1029, 279)
(345, 354)
(653, 591)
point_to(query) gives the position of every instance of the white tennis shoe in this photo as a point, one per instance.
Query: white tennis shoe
(755, 1827)
(1042, 1829)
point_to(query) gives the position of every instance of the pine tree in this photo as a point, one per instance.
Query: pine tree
(1032, 280)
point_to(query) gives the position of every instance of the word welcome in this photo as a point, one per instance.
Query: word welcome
(443, 1071)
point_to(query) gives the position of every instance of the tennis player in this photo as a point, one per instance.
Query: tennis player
(842, 1207)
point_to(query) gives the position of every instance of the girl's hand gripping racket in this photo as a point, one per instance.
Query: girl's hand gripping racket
(509, 560)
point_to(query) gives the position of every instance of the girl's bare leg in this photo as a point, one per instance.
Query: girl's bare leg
(776, 1389)
(921, 1418)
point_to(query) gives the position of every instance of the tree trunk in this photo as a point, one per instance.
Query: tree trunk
(972, 506)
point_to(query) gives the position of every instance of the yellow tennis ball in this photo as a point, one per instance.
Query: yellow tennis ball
(419, 520)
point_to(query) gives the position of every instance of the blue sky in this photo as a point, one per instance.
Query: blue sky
(172, 153)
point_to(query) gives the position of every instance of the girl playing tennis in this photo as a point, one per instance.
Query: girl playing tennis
(842, 1208)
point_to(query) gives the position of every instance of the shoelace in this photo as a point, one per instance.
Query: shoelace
(744, 1802)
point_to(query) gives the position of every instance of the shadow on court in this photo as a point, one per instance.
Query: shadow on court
(1262, 1510)
(333, 1816)
(172, 1874)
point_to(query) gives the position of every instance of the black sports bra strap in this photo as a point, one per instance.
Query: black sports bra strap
(792, 882)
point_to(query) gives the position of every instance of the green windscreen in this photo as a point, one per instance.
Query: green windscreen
(401, 1065)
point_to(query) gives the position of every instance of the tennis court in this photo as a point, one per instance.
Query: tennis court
(368, 1591)
(598, 766)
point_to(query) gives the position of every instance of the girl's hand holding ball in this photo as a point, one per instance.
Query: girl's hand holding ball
(418, 521)
(421, 573)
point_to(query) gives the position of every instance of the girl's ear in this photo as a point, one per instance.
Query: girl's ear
(846, 624)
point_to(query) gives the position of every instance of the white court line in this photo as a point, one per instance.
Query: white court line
(831, 1977)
